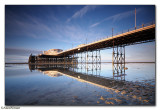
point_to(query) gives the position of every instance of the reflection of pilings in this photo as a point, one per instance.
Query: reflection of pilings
(93, 69)
(136, 91)
(67, 69)
(118, 62)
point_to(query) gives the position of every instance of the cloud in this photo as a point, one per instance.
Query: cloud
(73, 33)
(33, 27)
(95, 24)
(117, 17)
(82, 12)
(19, 54)
(19, 51)
(36, 24)
(30, 25)
(16, 59)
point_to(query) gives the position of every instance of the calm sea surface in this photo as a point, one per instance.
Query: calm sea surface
(92, 84)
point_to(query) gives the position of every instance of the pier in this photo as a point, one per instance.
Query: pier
(90, 53)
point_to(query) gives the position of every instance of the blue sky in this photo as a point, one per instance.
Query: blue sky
(32, 29)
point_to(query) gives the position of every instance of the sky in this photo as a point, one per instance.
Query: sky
(36, 28)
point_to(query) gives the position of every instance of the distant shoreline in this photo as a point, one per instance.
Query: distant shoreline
(89, 63)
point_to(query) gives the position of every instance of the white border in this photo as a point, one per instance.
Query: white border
(79, 2)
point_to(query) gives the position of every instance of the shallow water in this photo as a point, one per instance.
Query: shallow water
(80, 85)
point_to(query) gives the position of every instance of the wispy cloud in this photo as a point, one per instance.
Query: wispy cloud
(82, 12)
(34, 27)
(95, 24)
(73, 33)
(20, 51)
(30, 25)
(116, 17)
(36, 23)
(19, 54)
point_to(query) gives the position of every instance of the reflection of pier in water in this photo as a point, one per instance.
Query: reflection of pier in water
(92, 70)
(91, 74)
(85, 73)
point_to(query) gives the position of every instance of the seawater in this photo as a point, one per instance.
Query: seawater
(92, 84)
